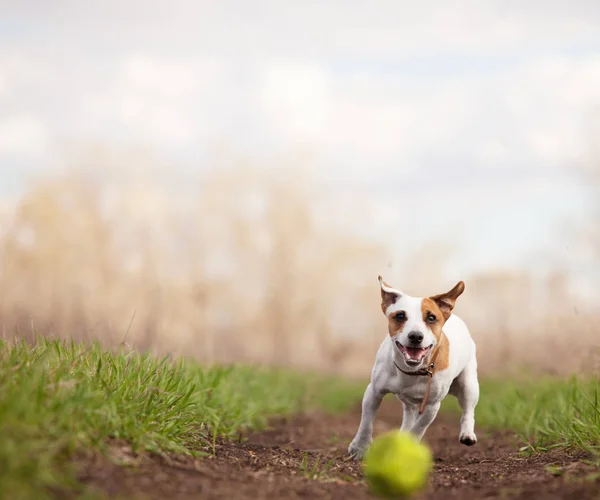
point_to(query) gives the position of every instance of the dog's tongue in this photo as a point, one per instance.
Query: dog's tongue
(415, 353)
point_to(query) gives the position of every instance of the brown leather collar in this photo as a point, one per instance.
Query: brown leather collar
(426, 371)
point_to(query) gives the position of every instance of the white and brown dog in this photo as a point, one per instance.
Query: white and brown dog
(428, 354)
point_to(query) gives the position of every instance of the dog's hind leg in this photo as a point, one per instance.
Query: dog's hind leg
(466, 389)
(370, 405)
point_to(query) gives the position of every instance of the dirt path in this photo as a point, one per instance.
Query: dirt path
(305, 458)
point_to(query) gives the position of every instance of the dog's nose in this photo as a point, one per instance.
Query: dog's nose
(415, 337)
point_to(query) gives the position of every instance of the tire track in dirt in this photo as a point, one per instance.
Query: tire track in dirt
(305, 457)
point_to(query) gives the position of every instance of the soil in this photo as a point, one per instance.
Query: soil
(305, 457)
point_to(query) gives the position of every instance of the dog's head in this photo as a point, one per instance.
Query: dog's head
(414, 323)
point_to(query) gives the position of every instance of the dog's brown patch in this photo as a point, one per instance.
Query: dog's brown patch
(429, 306)
(447, 301)
(395, 325)
(442, 360)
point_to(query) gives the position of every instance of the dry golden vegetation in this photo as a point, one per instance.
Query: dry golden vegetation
(249, 267)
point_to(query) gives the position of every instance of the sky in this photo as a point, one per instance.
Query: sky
(470, 115)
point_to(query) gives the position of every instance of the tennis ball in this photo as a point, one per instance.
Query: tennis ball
(397, 464)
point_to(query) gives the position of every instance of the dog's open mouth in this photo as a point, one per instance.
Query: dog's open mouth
(413, 355)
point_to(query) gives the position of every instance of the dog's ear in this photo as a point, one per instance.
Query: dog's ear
(389, 295)
(447, 301)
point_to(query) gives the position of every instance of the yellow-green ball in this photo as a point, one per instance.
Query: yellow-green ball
(397, 464)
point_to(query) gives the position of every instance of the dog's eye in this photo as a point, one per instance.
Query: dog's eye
(401, 316)
(431, 318)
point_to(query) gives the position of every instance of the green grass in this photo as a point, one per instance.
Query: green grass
(545, 412)
(60, 398)
(57, 398)
(318, 470)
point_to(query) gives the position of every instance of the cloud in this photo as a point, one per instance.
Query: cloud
(22, 136)
(553, 102)
(296, 99)
(164, 100)
(334, 28)
(384, 87)
(3, 84)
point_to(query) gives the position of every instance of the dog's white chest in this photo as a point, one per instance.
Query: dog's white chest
(412, 389)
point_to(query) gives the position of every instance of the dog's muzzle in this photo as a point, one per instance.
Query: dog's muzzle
(413, 355)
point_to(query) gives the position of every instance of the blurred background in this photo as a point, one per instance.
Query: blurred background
(225, 180)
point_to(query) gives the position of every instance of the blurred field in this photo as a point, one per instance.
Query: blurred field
(252, 265)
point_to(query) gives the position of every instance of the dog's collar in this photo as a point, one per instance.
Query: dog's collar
(427, 370)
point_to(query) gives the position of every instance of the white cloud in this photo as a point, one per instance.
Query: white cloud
(380, 28)
(3, 84)
(154, 98)
(296, 99)
(553, 102)
(169, 103)
(375, 87)
(22, 135)
(170, 79)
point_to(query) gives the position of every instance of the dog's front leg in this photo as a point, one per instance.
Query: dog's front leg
(424, 421)
(370, 405)
(409, 416)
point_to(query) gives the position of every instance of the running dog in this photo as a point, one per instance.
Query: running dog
(428, 354)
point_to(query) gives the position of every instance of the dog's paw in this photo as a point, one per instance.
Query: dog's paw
(468, 438)
(356, 450)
